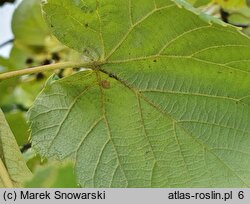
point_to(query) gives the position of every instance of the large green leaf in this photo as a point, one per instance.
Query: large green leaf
(4, 64)
(167, 102)
(13, 170)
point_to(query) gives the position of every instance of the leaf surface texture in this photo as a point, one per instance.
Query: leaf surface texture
(167, 104)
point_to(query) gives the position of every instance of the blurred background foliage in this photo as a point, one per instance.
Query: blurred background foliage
(33, 45)
(2, 2)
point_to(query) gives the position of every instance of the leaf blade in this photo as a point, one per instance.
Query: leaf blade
(167, 107)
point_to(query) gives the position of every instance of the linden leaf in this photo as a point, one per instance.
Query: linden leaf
(167, 104)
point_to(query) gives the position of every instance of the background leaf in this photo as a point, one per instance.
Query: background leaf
(28, 25)
(53, 176)
(19, 127)
(11, 157)
(4, 64)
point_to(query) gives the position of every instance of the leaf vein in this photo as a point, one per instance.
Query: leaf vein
(132, 28)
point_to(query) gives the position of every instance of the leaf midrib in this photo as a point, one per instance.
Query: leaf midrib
(103, 109)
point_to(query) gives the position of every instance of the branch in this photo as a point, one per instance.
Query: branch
(49, 67)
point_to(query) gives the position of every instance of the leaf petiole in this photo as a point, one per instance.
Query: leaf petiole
(43, 68)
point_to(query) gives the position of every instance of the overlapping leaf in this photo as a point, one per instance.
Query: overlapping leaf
(13, 170)
(231, 4)
(19, 127)
(198, 3)
(53, 176)
(167, 104)
(28, 25)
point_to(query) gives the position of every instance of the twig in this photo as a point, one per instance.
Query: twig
(6, 43)
(38, 69)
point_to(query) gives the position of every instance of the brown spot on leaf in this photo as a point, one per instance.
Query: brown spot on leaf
(105, 84)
